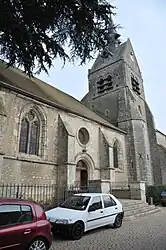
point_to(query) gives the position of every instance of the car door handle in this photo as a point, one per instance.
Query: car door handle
(101, 212)
(116, 208)
(27, 231)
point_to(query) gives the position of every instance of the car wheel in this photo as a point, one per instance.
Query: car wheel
(77, 231)
(118, 221)
(38, 244)
(163, 204)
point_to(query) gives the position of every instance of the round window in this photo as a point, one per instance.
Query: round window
(83, 136)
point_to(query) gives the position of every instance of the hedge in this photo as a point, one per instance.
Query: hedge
(155, 192)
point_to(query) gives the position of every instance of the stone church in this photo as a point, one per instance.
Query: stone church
(48, 137)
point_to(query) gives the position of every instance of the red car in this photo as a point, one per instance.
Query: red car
(23, 226)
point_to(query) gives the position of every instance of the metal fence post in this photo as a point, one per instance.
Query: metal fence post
(17, 193)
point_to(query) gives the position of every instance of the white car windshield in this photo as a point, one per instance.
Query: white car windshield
(76, 202)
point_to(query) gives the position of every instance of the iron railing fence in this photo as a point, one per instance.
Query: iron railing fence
(49, 195)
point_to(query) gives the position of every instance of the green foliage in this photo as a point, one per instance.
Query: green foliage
(34, 32)
(155, 192)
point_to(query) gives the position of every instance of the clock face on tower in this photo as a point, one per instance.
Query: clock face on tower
(132, 56)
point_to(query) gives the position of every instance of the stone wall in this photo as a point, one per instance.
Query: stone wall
(3, 119)
(106, 104)
(162, 153)
(130, 150)
(161, 147)
(104, 156)
(18, 171)
(126, 109)
(59, 145)
(155, 154)
(161, 138)
(120, 174)
(142, 151)
(132, 119)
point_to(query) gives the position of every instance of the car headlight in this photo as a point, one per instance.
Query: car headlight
(61, 221)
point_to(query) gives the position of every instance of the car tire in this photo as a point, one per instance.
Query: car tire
(118, 221)
(38, 242)
(77, 231)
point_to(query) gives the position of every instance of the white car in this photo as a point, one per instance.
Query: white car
(86, 211)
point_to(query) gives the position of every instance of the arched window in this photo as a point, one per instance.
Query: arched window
(118, 156)
(29, 134)
(115, 155)
(24, 135)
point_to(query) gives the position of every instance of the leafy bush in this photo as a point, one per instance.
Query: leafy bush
(155, 192)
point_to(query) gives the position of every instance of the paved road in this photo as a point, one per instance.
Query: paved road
(146, 233)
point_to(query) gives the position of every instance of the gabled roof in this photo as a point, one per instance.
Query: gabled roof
(101, 62)
(15, 78)
(123, 51)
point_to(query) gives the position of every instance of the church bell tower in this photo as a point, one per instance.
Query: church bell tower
(116, 92)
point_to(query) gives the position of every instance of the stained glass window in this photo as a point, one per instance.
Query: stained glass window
(115, 155)
(24, 136)
(29, 134)
(33, 143)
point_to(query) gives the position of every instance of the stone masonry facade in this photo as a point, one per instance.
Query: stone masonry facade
(48, 137)
(59, 146)
(123, 103)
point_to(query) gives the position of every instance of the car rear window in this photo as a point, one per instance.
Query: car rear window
(11, 214)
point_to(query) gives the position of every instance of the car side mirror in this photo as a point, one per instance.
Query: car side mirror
(91, 208)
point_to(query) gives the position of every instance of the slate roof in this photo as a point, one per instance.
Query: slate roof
(16, 79)
(117, 55)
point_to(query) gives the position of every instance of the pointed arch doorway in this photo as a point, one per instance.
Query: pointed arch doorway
(81, 174)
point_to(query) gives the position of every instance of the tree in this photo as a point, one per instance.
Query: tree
(34, 32)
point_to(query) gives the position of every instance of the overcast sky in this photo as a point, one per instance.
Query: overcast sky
(144, 22)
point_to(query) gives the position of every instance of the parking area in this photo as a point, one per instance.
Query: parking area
(145, 233)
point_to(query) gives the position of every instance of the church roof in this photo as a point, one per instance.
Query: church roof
(15, 79)
(101, 62)
(122, 51)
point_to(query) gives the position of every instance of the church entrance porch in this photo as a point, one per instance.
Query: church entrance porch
(81, 174)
